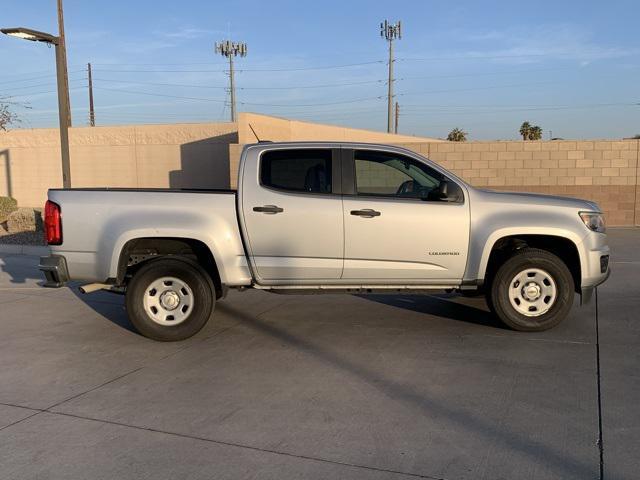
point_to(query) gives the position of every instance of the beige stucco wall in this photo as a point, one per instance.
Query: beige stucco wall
(284, 130)
(189, 155)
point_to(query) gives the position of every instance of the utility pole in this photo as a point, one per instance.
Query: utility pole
(390, 32)
(230, 50)
(92, 113)
(64, 105)
(395, 130)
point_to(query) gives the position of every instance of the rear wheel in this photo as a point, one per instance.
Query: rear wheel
(170, 299)
(532, 291)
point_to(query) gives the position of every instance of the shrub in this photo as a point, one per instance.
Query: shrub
(7, 205)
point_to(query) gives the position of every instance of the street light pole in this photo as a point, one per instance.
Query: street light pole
(64, 109)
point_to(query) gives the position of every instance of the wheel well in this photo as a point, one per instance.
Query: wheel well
(139, 251)
(562, 247)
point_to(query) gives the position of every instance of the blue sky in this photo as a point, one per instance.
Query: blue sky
(571, 67)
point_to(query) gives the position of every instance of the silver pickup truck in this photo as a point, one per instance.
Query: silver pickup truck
(326, 217)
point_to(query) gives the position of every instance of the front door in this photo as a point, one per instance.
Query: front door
(293, 215)
(398, 228)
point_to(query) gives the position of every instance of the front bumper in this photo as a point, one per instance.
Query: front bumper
(55, 271)
(595, 271)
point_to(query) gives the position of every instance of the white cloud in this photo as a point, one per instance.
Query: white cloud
(190, 33)
(535, 44)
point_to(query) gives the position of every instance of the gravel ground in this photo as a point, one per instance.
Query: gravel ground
(21, 238)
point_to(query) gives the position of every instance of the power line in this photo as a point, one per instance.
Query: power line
(325, 67)
(51, 83)
(35, 78)
(484, 74)
(161, 95)
(484, 57)
(493, 112)
(522, 105)
(357, 100)
(475, 88)
(220, 87)
(43, 93)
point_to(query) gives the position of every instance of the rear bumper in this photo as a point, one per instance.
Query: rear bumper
(54, 268)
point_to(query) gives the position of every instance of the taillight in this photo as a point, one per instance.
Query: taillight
(52, 223)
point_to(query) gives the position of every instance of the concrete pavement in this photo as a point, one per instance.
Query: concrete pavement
(317, 387)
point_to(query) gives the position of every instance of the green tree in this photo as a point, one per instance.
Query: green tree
(530, 132)
(457, 135)
(525, 129)
(535, 133)
(636, 137)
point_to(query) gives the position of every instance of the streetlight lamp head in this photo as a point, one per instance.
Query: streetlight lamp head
(31, 35)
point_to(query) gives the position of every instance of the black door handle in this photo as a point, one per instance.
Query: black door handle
(366, 213)
(270, 209)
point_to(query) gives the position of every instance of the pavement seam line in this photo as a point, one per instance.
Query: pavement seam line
(247, 447)
(36, 412)
(48, 409)
(599, 384)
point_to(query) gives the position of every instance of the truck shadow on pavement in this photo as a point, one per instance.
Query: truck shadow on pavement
(19, 269)
(107, 305)
(496, 433)
(446, 305)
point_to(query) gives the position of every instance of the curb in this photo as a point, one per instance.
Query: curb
(36, 250)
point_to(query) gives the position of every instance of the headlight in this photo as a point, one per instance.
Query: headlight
(594, 221)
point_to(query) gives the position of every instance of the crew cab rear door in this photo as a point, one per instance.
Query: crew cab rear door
(292, 214)
(398, 229)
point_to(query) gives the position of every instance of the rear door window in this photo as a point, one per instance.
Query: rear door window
(303, 170)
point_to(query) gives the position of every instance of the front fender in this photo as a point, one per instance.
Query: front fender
(480, 250)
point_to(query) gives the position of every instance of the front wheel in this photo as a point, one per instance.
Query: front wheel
(170, 299)
(532, 291)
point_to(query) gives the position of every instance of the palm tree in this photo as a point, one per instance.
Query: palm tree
(457, 135)
(535, 133)
(525, 130)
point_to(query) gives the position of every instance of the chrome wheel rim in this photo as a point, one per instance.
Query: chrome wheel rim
(532, 292)
(168, 301)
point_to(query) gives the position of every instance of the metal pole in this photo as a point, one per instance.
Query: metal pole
(64, 109)
(230, 49)
(395, 130)
(390, 92)
(233, 89)
(92, 113)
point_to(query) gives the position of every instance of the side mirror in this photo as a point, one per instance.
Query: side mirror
(449, 192)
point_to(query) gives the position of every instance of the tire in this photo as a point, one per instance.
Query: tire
(170, 299)
(532, 291)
